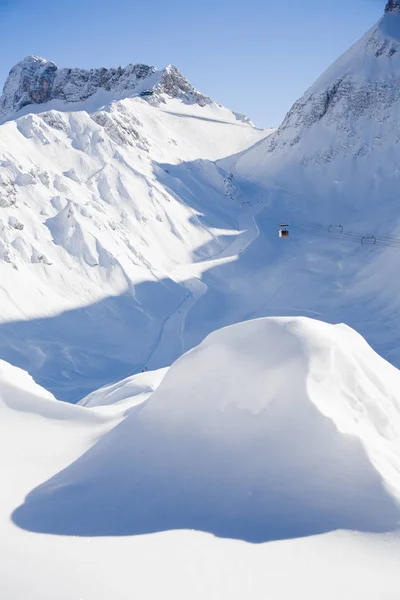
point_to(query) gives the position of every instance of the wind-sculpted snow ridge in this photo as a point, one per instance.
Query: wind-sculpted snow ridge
(131, 391)
(35, 80)
(271, 429)
(19, 393)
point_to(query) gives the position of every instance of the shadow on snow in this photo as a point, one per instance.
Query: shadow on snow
(258, 480)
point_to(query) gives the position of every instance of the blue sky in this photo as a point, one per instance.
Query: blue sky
(256, 57)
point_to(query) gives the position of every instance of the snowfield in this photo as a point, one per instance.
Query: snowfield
(240, 468)
(102, 207)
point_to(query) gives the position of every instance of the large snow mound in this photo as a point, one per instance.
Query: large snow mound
(270, 429)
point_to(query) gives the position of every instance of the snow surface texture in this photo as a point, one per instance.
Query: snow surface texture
(269, 430)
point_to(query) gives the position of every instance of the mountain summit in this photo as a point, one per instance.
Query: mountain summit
(393, 5)
(105, 176)
(334, 160)
(35, 80)
(349, 114)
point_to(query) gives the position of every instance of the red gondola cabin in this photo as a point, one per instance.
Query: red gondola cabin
(284, 232)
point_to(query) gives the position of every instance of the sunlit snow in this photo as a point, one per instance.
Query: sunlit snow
(191, 406)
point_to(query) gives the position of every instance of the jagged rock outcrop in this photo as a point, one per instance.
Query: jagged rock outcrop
(393, 5)
(35, 80)
(362, 86)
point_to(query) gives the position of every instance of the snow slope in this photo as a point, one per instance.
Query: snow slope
(334, 161)
(102, 201)
(114, 396)
(268, 431)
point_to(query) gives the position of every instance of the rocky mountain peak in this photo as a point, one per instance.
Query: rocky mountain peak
(35, 80)
(361, 86)
(393, 6)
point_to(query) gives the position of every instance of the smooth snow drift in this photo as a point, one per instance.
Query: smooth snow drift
(137, 216)
(138, 387)
(271, 429)
(268, 430)
(35, 81)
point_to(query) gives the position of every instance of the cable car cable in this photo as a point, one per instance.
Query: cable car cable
(338, 231)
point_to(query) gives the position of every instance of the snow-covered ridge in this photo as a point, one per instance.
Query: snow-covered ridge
(35, 80)
(112, 192)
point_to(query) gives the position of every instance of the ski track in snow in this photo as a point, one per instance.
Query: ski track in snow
(173, 327)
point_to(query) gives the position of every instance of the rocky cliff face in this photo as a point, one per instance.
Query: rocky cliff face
(36, 81)
(361, 88)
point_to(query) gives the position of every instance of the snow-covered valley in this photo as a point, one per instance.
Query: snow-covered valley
(105, 212)
(190, 405)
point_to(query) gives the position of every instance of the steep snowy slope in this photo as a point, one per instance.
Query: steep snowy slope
(100, 201)
(342, 135)
(268, 431)
(331, 171)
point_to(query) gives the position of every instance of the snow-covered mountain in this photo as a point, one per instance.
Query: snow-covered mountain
(331, 171)
(103, 202)
(35, 80)
(348, 117)
(134, 225)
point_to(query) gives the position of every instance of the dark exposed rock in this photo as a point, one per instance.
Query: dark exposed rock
(36, 81)
(393, 5)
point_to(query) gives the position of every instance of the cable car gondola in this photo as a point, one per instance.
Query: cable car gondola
(284, 231)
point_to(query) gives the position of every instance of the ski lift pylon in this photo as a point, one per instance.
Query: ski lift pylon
(337, 228)
(368, 239)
